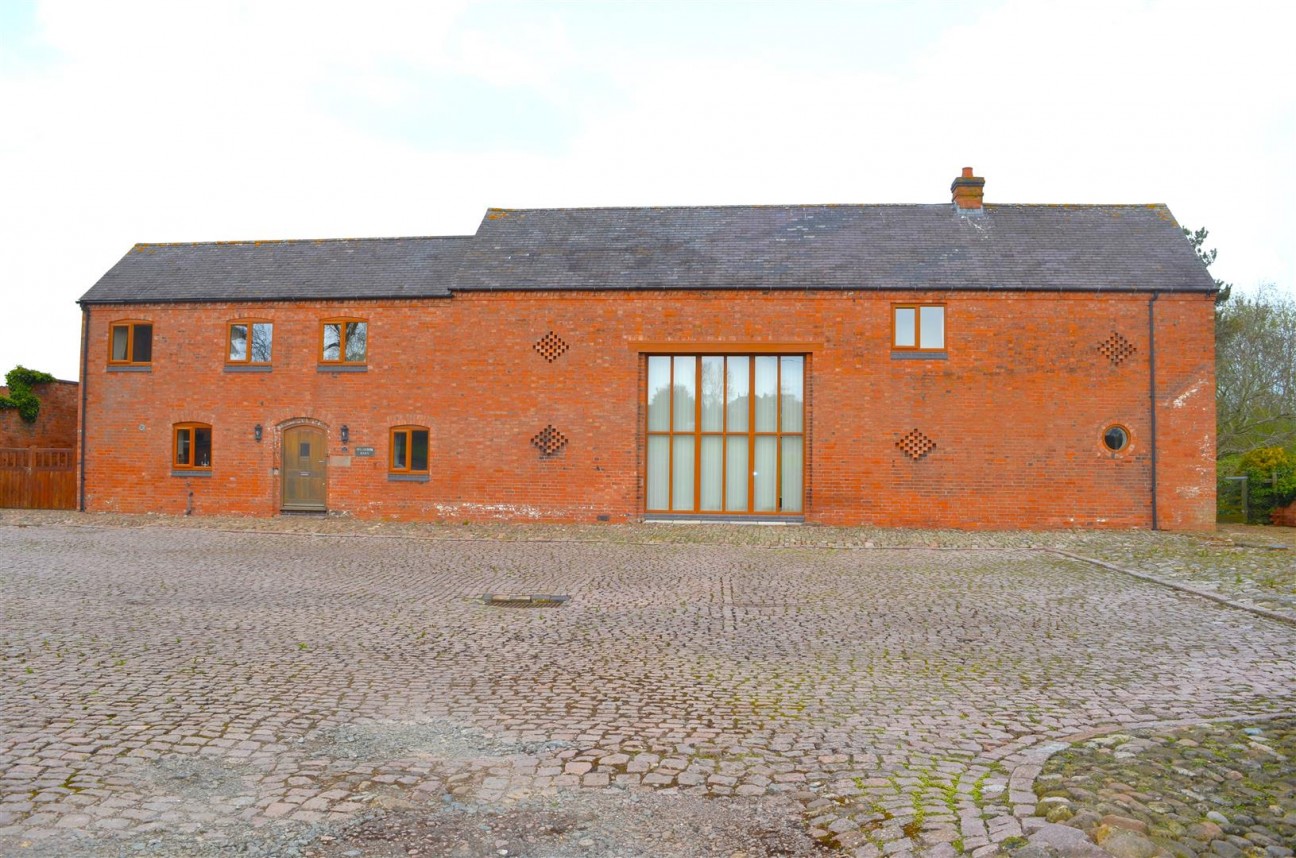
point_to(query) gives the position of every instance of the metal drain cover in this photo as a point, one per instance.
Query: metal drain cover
(524, 600)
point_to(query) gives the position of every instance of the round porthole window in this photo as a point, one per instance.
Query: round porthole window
(1116, 438)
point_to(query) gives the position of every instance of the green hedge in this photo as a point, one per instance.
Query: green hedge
(1271, 481)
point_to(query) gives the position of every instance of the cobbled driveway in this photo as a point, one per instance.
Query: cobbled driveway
(186, 683)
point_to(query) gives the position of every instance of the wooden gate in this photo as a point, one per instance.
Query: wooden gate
(37, 478)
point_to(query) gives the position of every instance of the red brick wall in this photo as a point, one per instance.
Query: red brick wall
(1284, 516)
(1016, 411)
(1185, 372)
(56, 424)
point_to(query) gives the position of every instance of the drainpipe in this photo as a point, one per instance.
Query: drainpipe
(85, 378)
(1152, 400)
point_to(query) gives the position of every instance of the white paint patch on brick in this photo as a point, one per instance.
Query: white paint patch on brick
(1182, 399)
(503, 511)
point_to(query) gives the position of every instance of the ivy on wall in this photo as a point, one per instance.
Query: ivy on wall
(20, 380)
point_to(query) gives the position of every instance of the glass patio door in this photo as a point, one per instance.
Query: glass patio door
(726, 434)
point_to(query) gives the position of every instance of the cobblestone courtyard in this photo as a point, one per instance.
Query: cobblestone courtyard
(196, 688)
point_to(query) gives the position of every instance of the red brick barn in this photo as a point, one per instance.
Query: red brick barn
(950, 365)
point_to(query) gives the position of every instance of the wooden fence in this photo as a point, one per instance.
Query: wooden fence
(37, 478)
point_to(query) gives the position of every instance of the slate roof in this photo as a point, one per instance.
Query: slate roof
(330, 269)
(861, 247)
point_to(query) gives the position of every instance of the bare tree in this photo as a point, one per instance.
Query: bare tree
(1255, 371)
(1197, 238)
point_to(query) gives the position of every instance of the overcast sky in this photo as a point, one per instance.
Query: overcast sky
(124, 122)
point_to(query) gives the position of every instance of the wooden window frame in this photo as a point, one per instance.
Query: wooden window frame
(342, 322)
(698, 433)
(408, 432)
(130, 325)
(192, 428)
(247, 359)
(917, 311)
(1129, 439)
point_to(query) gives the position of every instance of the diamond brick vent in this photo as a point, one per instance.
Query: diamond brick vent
(915, 445)
(1116, 349)
(549, 441)
(551, 346)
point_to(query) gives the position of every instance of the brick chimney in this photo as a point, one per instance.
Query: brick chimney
(967, 191)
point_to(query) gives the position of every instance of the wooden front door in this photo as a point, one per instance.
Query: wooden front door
(305, 486)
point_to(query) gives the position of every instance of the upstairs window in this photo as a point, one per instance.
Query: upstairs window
(345, 341)
(409, 450)
(919, 327)
(130, 343)
(192, 448)
(250, 342)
